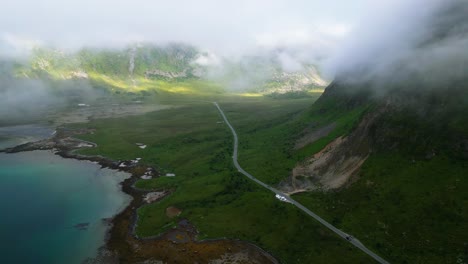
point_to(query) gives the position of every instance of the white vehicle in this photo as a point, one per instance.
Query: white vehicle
(281, 198)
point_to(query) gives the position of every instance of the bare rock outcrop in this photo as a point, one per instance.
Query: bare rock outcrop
(164, 74)
(337, 163)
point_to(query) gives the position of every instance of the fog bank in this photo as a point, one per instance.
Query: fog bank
(423, 41)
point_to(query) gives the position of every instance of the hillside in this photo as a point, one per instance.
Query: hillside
(140, 66)
(397, 179)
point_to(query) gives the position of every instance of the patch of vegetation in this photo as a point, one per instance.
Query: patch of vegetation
(170, 58)
(406, 205)
(411, 212)
(266, 147)
(191, 89)
(409, 201)
(193, 142)
(290, 95)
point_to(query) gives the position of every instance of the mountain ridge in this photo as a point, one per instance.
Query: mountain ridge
(172, 62)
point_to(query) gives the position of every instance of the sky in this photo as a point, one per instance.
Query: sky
(341, 36)
(228, 27)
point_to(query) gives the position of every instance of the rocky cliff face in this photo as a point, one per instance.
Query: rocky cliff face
(297, 81)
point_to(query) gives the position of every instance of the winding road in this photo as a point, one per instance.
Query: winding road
(342, 234)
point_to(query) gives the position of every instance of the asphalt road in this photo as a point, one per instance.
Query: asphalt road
(342, 234)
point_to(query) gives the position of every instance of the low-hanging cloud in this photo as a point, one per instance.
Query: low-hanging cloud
(311, 27)
(423, 41)
(23, 98)
(288, 63)
(26, 98)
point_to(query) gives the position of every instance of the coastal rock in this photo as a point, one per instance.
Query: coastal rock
(153, 196)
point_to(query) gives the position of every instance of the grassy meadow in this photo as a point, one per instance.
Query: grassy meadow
(191, 141)
(402, 206)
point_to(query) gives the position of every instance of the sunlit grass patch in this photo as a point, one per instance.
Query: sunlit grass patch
(251, 94)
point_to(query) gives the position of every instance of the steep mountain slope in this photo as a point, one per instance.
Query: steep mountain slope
(421, 124)
(398, 178)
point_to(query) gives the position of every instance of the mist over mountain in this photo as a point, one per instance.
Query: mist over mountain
(24, 99)
(53, 78)
(410, 68)
(423, 44)
(20, 96)
(175, 62)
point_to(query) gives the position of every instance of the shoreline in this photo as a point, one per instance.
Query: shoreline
(121, 244)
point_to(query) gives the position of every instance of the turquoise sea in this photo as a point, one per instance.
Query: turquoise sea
(52, 209)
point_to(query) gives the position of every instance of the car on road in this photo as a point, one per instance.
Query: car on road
(281, 198)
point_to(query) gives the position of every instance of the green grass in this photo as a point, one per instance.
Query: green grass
(406, 208)
(407, 204)
(267, 137)
(189, 142)
(410, 212)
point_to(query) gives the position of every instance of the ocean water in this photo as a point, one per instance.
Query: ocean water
(52, 209)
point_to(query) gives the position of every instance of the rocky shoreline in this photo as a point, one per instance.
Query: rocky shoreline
(178, 245)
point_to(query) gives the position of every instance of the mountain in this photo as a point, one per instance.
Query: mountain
(265, 74)
(140, 63)
(384, 154)
(390, 165)
(137, 60)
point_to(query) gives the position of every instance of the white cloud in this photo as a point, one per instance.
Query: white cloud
(207, 59)
(424, 40)
(288, 63)
(290, 37)
(335, 30)
(14, 45)
(217, 25)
